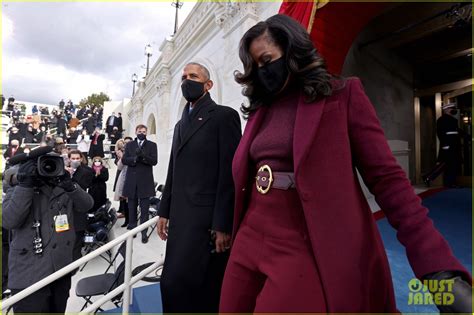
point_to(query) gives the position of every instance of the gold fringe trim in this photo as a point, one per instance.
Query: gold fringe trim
(318, 4)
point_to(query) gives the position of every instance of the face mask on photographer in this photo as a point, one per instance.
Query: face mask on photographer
(273, 75)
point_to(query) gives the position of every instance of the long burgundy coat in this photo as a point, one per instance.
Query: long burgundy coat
(332, 137)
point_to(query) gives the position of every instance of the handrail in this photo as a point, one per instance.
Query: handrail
(6, 304)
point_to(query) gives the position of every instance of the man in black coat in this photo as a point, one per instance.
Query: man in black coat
(120, 123)
(140, 156)
(449, 155)
(83, 176)
(62, 125)
(198, 199)
(110, 124)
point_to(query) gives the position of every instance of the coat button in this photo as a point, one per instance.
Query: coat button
(54, 246)
(243, 189)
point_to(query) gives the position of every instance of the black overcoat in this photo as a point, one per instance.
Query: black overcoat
(98, 188)
(198, 197)
(139, 181)
(83, 177)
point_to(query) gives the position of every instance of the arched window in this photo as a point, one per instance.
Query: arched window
(151, 124)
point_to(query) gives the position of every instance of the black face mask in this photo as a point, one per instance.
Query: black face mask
(141, 136)
(273, 75)
(192, 90)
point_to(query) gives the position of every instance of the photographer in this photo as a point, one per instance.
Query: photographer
(39, 213)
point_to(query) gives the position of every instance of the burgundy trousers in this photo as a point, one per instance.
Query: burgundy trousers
(271, 266)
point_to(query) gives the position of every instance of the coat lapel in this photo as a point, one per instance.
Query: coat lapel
(241, 157)
(197, 122)
(308, 116)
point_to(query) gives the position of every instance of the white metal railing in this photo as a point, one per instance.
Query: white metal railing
(125, 287)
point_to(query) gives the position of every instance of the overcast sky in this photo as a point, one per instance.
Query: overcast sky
(71, 50)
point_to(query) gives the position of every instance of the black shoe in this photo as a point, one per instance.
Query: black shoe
(129, 227)
(124, 225)
(144, 239)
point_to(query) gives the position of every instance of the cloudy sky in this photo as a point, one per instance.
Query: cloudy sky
(71, 50)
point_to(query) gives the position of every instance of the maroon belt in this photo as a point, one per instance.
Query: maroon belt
(266, 179)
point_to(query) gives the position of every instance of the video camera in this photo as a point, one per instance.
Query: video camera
(49, 165)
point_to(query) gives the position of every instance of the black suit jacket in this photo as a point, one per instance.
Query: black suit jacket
(139, 182)
(83, 176)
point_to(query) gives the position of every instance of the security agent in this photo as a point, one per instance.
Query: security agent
(39, 213)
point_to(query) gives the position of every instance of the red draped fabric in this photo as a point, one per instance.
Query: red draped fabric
(301, 11)
(335, 26)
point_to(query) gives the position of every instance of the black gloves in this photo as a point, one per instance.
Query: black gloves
(461, 291)
(140, 155)
(27, 174)
(139, 152)
(67, 184)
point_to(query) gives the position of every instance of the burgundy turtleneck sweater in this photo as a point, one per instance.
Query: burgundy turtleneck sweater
(273, 144)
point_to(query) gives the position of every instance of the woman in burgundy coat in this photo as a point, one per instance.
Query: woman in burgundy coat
(304, 238)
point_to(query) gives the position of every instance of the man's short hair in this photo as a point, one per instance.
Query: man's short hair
(141, 127)
(75, 152)
(204, 69)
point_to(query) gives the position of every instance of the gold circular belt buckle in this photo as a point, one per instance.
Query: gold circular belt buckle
(260, 188)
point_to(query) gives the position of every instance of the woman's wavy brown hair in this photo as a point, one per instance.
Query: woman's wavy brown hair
(306, 67)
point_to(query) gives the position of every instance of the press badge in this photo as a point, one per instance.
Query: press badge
(61, 224)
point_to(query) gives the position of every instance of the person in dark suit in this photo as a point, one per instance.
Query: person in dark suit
(62, 125)
(449, 155)
(120, 124)
(97, 144)
(198, 198)
(82, 175)
(140, 156)
(90, 124)
(110, 124)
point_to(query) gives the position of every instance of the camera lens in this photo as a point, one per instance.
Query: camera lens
(49, 166)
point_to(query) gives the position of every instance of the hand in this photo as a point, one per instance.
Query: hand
(27, 174)
(162, 229)
(139, 152)
(67, 184)
(222, 242)
(460, 289)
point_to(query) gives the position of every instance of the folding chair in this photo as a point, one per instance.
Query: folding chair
(101, 285)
